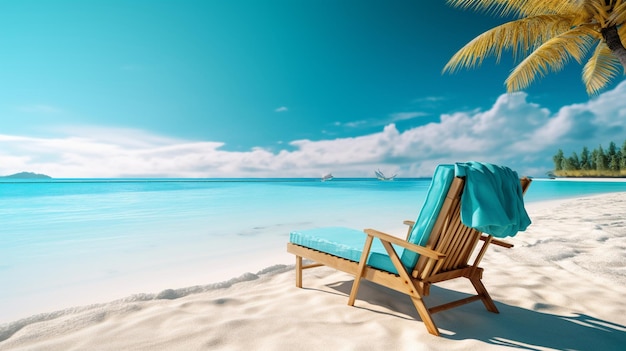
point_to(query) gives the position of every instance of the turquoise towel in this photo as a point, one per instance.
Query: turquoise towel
(492, 200)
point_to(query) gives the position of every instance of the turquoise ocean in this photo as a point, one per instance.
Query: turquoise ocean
(69, 242)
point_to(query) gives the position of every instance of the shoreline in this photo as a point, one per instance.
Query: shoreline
(541, 287)
(584, 179)
(7, 329)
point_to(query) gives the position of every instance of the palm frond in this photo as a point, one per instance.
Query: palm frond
(539, 7)
(517, 8)
(618, 16)
(520, 36)
(597, 10)
(553, 32)
(498, 7)
(552, 56)
(601, 68)
(605, 14)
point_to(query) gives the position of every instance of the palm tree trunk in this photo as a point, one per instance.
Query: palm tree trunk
(614, 43)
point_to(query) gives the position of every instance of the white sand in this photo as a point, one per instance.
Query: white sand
(562, 287)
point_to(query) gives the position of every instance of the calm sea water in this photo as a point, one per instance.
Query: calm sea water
(66, 242)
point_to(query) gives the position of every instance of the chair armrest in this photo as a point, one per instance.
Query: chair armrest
(397, 241)
(408, 232)
(497, 241)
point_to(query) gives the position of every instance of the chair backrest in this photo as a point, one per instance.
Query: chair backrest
(430, 212)
(450, 236)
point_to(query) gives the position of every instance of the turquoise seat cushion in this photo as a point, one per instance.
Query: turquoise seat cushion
(348, 243)
(343, 242)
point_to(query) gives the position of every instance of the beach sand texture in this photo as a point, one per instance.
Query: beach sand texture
(562, 287)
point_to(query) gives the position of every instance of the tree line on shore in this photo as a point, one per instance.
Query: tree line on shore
(596, 163)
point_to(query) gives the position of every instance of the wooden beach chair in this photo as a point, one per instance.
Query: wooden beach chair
(438, 246)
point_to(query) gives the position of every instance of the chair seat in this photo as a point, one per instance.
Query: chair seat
(345, 243)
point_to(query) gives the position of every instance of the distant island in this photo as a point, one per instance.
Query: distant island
(27, 175)
(597, 163)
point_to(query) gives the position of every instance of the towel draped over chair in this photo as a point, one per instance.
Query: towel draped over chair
(492, 199)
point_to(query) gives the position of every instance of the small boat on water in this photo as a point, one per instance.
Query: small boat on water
(328, 176)
(381, 176)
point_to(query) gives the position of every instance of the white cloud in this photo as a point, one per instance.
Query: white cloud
(281, 109)
(429, 99)
(403, 116)
(392, 118)
(355, 124)
(513, 132)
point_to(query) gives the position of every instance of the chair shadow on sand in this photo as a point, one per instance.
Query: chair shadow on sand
(513, 327)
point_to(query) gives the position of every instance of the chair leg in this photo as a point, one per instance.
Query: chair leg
(354, 291)
(298, 271)
(356, 284)
(361, 269)
(484, 295)
(412, 290)
(425, 315)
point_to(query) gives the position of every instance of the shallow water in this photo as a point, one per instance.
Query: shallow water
(66, 242)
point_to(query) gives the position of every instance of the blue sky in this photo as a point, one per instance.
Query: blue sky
(273, 88)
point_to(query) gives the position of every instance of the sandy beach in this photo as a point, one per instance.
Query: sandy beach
(561, 287)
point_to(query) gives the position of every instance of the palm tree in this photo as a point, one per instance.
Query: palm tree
(548, 33)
